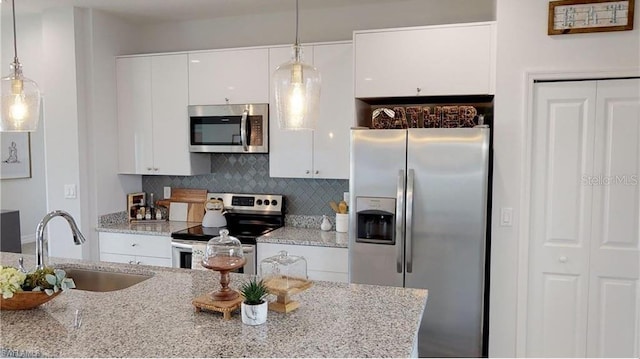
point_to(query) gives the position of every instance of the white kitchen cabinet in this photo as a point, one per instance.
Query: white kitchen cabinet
(584, 257)
(153, 130)
(135, 249)
(454, 59)
(234, 76)
(323, 152)
(323, 263)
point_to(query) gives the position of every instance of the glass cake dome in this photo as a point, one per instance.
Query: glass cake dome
(223, 253)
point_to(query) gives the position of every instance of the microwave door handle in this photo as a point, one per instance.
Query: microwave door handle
(400, 220)
(243, 129)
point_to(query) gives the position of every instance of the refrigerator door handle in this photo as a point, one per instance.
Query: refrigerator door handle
(400, 220)
(409, 231)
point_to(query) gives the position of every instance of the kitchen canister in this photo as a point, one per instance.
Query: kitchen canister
(342, 222)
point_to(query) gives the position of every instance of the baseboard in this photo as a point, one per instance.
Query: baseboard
(28, 238)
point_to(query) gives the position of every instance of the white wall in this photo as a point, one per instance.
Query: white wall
(62, 130)
(108, 36)
(315, 25)
(523, 47)
(25, 195)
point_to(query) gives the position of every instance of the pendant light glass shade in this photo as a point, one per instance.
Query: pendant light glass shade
(296, 88)
(297, 93)
(20, 96)
(20, 102)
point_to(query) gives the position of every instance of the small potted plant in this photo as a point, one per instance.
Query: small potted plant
(254, 307)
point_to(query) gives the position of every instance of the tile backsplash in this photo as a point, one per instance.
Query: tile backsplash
(249, 173)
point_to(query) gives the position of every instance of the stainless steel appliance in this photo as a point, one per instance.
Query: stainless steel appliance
(248, 217)
(229, 128)
(419, 221)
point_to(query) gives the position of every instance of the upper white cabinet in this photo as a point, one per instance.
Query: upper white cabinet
(324, 152)
(153, 127)
(235, 76)
(426, 61)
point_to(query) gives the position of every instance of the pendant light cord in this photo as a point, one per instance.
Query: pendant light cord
(297, 38)
(15, 42)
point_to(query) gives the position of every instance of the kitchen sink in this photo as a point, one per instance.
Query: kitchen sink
(103, 281)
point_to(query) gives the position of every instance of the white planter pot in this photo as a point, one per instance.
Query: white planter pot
(254, 314)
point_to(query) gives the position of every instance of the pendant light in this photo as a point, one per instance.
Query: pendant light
(20, 95)
(297, 91)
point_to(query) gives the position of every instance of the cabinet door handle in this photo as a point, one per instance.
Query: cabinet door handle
(138, 262)
(155, 169)
(418, 89)
(307, 172)
(130, 262)
(149, 168)
(134, 244)
(317, 172)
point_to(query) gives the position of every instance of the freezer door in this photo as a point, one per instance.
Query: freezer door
(378, 160)
(446, 214)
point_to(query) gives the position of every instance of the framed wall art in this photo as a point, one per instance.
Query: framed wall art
(15, 155)
(581, 16)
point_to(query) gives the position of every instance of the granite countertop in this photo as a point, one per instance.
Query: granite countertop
(306, 237)
(155, 318)
(164, 228)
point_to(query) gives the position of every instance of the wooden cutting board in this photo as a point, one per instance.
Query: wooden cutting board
(194, 200)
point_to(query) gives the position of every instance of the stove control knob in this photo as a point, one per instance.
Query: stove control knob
(259, 202)
(266, 202)
(274, 202)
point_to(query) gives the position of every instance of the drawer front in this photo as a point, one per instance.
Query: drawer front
(154, 261)
(323, 259)
(136, 244)
(117, 258)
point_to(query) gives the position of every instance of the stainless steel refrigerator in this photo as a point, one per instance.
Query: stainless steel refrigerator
(418, 219)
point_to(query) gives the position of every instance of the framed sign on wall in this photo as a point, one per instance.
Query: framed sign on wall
(580, 16)
(16, 155)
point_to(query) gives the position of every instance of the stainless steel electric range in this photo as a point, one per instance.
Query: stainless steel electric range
(248, 217)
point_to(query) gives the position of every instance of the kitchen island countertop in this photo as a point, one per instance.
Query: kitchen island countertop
(306, 237)
(155, 318)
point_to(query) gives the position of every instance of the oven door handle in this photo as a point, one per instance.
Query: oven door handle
(181, 245)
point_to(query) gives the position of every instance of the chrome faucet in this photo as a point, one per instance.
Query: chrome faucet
(78, 238)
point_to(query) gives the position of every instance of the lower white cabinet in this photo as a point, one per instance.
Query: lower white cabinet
(323, 263)
(135, 249)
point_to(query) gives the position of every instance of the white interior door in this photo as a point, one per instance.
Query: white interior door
(614, 295)
(563, 135)
(584, 262)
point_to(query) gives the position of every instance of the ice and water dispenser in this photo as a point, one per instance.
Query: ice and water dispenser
(375, 220)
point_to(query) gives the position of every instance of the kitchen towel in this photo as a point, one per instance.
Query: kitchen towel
(178, 211)
(197, 253)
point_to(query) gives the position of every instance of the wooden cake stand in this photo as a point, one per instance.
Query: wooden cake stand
(225, 300)
(283, 287)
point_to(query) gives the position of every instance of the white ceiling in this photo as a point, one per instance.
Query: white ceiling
(157, 11)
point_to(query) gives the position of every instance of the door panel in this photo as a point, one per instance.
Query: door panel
(377, 156)
(561, 321)
(563, 132)
(614, 310)
(448, 236)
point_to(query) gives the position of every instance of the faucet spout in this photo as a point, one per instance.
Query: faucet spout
(78, 238)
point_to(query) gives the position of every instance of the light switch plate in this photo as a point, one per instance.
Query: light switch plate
(506, 217)
(70, 191)
(167, 192)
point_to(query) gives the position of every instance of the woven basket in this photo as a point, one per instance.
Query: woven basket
(26, 300)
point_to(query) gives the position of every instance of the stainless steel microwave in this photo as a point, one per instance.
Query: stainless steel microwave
(229, 128)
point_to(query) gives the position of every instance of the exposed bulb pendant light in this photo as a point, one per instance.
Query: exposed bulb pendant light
(297, 91)
(20, 95)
